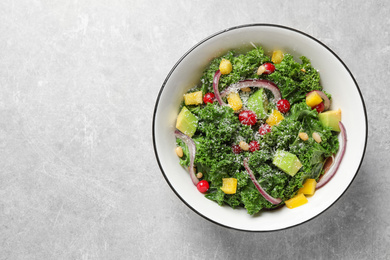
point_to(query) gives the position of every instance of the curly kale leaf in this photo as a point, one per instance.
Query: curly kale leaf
(217, 131)
(311, 154)
(244, 66)
(185, 159)
(218, 122)
(295, 79)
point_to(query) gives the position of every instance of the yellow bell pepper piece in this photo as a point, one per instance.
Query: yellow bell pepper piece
(309, 187)
(194, 98)
(313, 99)
(277, 56)
(296, 201)
(234, 101)
(275, 118)
(229, 185)
(225, 67)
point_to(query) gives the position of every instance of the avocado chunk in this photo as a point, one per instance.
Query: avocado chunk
(258, 103)
(186, 122)
(287, 162)
(331, 119)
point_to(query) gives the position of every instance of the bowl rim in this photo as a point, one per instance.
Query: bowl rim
(228, 30)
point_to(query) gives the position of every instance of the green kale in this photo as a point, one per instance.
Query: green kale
(244, 66)
(295, 79)
(185, 159)
(311, 154)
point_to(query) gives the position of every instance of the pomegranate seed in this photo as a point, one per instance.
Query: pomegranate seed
(264, 128)
(247, 117)
(283, 105)
(203, 186)
(320, 107)
(208, 98)
(236, 149)
(269, 68)
(254, 146)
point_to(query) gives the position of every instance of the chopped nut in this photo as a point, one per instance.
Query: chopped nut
(246, 89)
(261, 70)
(244, 146)
(303, 70)
(303, 136)
(179, 151)
(317, 137)
(199, 175)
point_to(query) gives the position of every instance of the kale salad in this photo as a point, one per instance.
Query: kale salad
(257, 131)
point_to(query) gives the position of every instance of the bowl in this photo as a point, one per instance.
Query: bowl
(336, 79)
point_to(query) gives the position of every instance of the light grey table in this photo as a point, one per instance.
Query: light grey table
(78, 175)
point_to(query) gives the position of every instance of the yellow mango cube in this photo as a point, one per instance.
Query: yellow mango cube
(225, 67)
(234, 101)
(296, 201)
(194, 98)
(229, 185)
(275, 118)
(309, 187)
(277, 57)
(313, 99)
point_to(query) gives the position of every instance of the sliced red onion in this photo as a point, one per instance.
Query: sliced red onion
(324, 98)
(328, 175)
(192, 149)
(258, 83)
(217, 75)
(328, 164)
(257, 185)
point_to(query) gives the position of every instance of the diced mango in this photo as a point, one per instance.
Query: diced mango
(234, 101)
(313, 99)
(225, 67)
(296, 201)
(275, 118)
(277, 56)
(229, 185)
(194, 98)
(309, 187)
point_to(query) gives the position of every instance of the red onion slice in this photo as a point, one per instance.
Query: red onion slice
(328, 164)
(192, 149)
(257, 185)
(324, 98)
(327, 176)
(259, 83)
(217, 75)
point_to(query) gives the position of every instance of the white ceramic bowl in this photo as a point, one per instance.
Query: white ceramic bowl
(335, 78)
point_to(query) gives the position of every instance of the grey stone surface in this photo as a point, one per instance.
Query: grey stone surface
(78, 176)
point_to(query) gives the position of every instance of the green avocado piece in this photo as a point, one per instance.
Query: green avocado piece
(331, 119)
(258, 103)
(186, 122)
(287, 162)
